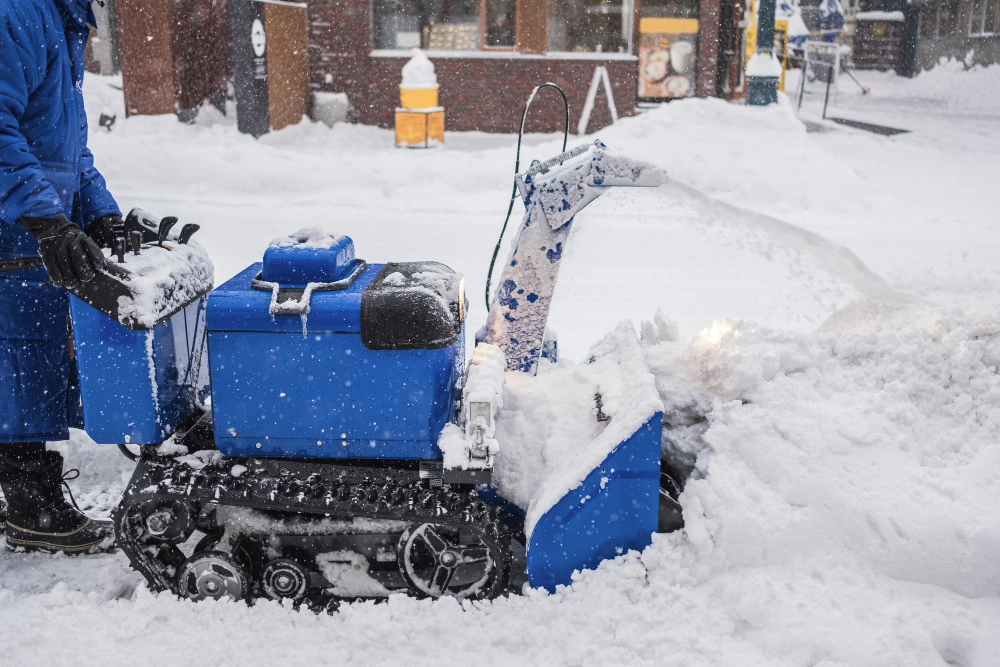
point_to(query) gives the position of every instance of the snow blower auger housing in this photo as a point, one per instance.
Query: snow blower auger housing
(348, 450)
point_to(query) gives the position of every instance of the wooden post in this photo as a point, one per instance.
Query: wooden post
(532, 23)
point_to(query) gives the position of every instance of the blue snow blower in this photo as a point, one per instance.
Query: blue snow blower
(347, 449)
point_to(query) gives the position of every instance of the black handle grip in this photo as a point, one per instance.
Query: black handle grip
(165, 226)
(187, 231)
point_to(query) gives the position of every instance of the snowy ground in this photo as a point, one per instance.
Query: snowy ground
(829, 297)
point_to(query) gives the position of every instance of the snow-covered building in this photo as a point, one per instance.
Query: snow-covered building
(488, 54)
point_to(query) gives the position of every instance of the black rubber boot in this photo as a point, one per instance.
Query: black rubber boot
(38, 515)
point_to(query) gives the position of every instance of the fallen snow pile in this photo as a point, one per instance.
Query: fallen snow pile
(848, 513)
(875, 442)
(962, 87)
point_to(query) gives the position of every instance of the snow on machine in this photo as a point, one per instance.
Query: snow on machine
(347, 449)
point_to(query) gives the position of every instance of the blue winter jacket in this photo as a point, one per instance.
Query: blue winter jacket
(45, 169)
(45, 165)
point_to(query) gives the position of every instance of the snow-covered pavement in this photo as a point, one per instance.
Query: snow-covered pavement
(828, 297)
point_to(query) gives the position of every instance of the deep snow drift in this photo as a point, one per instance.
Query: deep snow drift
(845, 508)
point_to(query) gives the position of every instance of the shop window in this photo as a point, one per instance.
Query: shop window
(603, 26)
(499, 24)
(444, 25)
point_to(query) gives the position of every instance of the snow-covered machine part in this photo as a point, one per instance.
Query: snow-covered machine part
(363, 367)
(152, 271)
(580, 458)
(139, 337)
(472, 442)
(553, 191)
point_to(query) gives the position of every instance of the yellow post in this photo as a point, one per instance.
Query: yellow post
(419, 119)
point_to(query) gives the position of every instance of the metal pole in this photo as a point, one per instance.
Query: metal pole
(829, 78)
(765, 27)
(762, 87)
(802, 84)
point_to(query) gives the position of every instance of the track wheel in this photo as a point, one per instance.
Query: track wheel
(167, 520)
(212, 574)
(284, 579)
(438, 560)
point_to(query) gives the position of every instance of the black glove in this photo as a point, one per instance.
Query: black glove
(69, 255)
(102, 230)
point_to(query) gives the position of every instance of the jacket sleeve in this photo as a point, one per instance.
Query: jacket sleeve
(24, 190)
(95, 200)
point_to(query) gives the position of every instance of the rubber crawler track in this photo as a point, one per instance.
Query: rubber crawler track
(326, 490)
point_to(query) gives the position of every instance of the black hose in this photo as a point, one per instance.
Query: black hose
(128, 453)
(517, 168)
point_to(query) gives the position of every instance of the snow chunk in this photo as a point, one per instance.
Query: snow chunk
(347, 572)
(308, 237)
(880, 16)
(763, 64)
(418, 72)
(163, 280)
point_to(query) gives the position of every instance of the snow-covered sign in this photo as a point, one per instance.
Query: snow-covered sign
(831, 15)
(798, 33)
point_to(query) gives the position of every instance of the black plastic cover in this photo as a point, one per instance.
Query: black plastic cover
(412, 306)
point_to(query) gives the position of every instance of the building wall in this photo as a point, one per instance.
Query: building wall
(481, 92)
(984, 50)
(878, 44)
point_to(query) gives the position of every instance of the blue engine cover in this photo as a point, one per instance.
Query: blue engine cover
(290, 386)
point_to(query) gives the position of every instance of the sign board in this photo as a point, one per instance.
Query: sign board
(821, 62)
(250, 67)
(270, 63)
(668, 55)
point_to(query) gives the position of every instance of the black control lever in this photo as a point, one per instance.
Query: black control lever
(165, 226)
(141, 221)
(118, 247)
(187, 231)
(135, 236)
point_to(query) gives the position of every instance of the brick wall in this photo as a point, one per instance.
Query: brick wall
(708, 46)
(478, 93)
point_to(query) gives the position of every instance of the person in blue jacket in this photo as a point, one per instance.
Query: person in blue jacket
(50, 192)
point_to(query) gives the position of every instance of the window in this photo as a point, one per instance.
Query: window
(444, 25)
(499, 24)
(590, 25)
(928, 21)
(948, 19)
(983, 17)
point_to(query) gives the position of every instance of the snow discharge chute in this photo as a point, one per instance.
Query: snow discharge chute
(600, 497)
